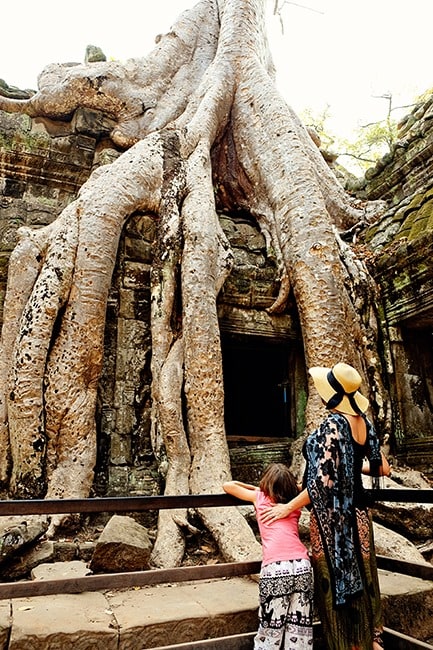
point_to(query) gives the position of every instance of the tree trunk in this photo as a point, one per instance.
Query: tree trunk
(199, 117)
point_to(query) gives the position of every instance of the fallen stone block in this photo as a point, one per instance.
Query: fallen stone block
(123, 545)
(60, 570)
(17, 533)
(407, 604)
(392, 544)
(21, 565)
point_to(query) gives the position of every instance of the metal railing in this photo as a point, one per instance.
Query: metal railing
(101, 582)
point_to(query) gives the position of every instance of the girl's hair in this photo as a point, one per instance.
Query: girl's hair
(278, 483)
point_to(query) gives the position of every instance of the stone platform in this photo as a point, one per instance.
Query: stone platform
(157, 616)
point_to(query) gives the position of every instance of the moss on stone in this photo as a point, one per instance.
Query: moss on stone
(24, 141)
(407, 224)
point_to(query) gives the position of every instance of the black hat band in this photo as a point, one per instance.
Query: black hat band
(339, 394)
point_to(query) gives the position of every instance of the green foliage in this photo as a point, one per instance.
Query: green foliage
(371, 142)
(424, 96)
(318, 122)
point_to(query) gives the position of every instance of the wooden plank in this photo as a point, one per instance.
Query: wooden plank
(28, 588)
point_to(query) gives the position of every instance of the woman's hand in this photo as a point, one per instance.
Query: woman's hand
(385, 469)
(281, 510)
(277, 511)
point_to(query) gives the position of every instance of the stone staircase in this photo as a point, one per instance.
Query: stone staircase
(163, 615)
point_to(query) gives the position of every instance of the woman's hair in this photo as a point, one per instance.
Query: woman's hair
(278, 483)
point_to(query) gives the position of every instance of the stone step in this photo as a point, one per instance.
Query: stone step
(157, 616)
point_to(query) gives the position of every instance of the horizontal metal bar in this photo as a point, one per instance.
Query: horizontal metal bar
(141, 503)
(403, 495)
(393, 641)
(115, 504)
(414, 569)
(27, 588)
(397, 641)
(233, 642)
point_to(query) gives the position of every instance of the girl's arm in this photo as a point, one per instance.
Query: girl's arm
(281, 510)
(243, 491)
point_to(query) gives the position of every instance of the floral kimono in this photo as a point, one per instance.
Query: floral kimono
(343, 557)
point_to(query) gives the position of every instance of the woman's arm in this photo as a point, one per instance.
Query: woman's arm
(281, 510)
(385, 469)
(243, 491)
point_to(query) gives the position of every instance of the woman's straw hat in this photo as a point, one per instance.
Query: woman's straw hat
(338, 387)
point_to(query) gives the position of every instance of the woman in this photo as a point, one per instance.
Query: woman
(286, 577)
(344, 446)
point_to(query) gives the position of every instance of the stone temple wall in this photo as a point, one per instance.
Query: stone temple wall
(402, 241)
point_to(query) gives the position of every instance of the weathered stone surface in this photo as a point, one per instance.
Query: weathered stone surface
(395, 546)
(412, 520)
(60, 570)
(252, 321)
(21, 566)
(135, 619)
(85, 551)
(180, 613)
(404, 170)
(124, 545)
(92, 123)
(19, 532)
(93, 54)
(5, 623)
(13, 91)
(402, 245)
(407, 604)
(409, 478)
(249, 462)
(63, 622)
(407, 280)
(68, 551)
(46, 551)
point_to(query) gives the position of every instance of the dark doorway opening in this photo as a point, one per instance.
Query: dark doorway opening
(258, 392)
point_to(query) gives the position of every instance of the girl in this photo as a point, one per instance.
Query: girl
(286, 579)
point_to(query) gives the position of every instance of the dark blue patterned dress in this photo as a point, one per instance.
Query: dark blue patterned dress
(343, 557)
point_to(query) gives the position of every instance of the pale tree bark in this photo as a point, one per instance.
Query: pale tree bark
(199, 117)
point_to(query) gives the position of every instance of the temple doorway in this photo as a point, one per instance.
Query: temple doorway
(259, 389)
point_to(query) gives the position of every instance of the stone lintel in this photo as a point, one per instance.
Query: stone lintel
(234, 320)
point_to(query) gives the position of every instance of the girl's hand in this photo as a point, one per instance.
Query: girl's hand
(277, 511)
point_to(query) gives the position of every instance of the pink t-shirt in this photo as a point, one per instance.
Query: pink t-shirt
(280, 538)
